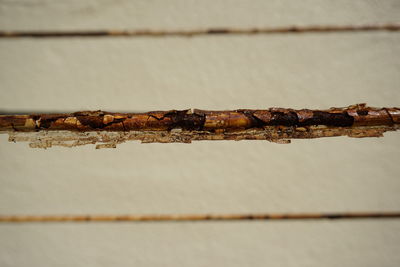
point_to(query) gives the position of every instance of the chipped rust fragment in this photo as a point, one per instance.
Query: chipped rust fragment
(274, 124)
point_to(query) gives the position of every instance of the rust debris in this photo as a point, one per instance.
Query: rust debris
(107, 129)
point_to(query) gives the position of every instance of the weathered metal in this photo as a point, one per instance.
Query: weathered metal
(274, 124)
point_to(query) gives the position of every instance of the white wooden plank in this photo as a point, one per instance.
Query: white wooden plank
(183, 14)
(345, 243)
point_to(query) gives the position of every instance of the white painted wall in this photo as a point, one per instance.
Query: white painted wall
(213, 72)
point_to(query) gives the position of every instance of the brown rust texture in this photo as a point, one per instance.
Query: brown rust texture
(273, 124)
(357, 115)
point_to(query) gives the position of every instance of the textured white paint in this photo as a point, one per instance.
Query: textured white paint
(214, 72)
(334, 174)
(310, 70)
(187, 14)
(297, 244)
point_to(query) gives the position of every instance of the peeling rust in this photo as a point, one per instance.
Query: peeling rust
(201, 119)
(186, 120)
(274, 124)
(329, 119)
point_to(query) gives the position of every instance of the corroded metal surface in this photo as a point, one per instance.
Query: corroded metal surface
(274, 124)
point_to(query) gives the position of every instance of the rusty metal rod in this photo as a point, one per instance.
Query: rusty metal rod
(201, 32)
(198, 217)
(274, 124)
(191, 120)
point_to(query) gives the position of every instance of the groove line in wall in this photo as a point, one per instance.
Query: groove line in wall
(202, 32)
(198, 217)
